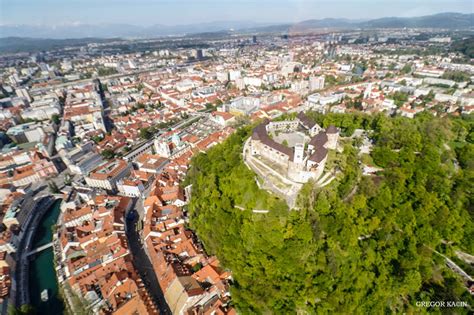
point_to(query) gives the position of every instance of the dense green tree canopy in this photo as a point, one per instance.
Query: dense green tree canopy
(457, 76)
(465, 46)
(361, 245)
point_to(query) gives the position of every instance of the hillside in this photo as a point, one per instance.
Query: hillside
(442, 20)
(363, 244)
(21, 44)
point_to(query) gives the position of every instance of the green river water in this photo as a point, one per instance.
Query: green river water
(42, 272)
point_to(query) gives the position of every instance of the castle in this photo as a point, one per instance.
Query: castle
(305, 159)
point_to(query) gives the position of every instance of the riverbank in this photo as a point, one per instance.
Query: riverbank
(42, 274)
(20, 288)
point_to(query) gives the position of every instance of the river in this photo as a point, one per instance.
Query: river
(42, 273)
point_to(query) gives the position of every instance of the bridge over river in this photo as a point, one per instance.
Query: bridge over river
(39, 249)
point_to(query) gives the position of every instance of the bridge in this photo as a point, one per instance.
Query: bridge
(39, 249)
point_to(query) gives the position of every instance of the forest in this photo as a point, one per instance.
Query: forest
(361, 245)
(465, 46)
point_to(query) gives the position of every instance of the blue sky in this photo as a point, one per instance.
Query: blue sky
(176, 12)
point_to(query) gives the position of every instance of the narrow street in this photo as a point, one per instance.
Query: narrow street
(143, 264)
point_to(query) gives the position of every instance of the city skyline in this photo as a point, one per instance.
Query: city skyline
(182, 12)
(225, 157)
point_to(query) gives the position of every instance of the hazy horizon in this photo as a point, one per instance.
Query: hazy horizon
(183, 12)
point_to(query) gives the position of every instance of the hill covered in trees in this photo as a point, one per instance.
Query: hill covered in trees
(465, 46)
(363, 244)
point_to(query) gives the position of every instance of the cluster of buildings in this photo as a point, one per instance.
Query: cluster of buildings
(113, 132)
(92, 242)
(192, 282)
(94, 260)
(83, 110)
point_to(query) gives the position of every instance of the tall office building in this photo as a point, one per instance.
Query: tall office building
(316, 83)
(199, 54)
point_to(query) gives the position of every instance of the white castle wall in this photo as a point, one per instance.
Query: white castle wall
(286, 125)
(332, 141)
(271, 154)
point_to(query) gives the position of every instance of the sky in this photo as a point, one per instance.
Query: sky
(179, 12)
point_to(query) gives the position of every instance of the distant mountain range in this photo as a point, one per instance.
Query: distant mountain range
(26, 44)
(120, 30)
(442, 20)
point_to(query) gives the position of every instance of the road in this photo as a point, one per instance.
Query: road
(196, 117)
(106, 77)
(142, 262)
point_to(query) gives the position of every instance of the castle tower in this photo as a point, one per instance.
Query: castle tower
(333, 135)
(299, 153)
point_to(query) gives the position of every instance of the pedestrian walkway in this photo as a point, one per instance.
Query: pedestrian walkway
(323, 178)
(328, 181)
(39, 249)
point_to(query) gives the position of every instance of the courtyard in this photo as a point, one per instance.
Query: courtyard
(290, 139)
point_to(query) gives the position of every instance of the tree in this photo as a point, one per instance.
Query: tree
(464, 46)
(108, 154)
(197, 267)
(53, 188)
(25, 309)
(406, 69)
(105, 71)
(330, 80)
(209, 106)
(97, 139)
(358, 245)
(146, 133)
(67, 179)
(429, 97)
(457, 76)
(56, 119)
(400, 98)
